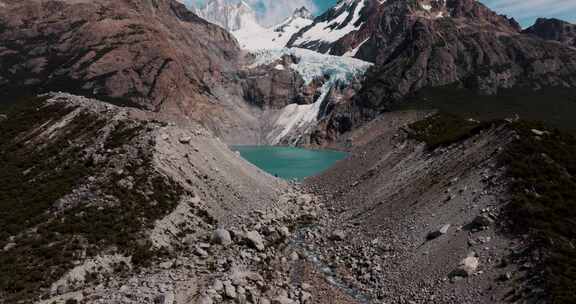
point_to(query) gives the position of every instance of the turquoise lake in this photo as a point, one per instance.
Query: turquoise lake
(290, 162)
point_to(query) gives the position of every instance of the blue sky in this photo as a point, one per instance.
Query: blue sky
(524, 11)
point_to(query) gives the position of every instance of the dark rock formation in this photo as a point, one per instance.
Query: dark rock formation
(554, 29)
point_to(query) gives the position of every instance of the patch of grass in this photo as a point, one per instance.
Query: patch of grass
(543, 171)
(444, 129)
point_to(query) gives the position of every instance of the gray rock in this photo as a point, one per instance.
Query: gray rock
(467, 267)
(230, 290)
(283, 300)
(338, 235)
(482, 221)
(255, 239)
(438, 233)
(205, 300)
(185, 140)
(222, 237)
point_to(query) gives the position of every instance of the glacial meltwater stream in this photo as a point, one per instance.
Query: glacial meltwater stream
(290, 162)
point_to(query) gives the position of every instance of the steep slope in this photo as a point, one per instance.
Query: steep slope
(150, 54)
(102, 190)
(554, 29)
(438, 209)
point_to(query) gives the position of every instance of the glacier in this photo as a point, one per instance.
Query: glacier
(297, 119)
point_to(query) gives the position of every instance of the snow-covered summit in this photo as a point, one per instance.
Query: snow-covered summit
(229, 15)
(253, 36)
(344, 18)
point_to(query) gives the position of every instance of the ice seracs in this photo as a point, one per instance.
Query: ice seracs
(336, 71)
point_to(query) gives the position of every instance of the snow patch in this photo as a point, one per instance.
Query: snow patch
(354, 51)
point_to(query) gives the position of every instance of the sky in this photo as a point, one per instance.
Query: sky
(524, 11)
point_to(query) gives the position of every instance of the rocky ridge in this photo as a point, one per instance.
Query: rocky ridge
(554, 29)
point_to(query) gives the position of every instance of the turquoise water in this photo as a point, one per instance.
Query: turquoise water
(290, 162)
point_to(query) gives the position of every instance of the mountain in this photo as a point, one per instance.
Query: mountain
(253, 36)
(554, 29)
(422, 44)
(154, 55)
(346, 17)
(231, 16)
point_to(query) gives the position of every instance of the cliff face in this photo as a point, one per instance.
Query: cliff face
(152, 54)
(554, 29)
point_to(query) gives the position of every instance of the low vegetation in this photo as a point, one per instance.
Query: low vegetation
(44, 239)
(444, 129)
(541, 164)
(543, 168)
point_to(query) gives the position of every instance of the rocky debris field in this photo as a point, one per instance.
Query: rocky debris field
(397, 222)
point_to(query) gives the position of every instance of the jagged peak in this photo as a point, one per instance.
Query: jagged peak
(302, 12)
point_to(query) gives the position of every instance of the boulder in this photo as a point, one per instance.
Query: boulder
(222, 237)
(438, 233)
(255, 240)
(338, 235)
(467, 267)
(230, 290)
(482, 221)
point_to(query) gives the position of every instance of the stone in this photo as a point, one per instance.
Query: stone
(255, 240)
(338, 235)
(284, 231)
(222, 237)
(205, 300)
(218, 285)
(283, 300)
(438, 233)
(230, 290)
(185, 140)
(294, 256)
(482, 221)
(467, 267)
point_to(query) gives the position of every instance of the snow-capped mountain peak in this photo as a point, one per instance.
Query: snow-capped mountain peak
(345, 17)
(302, 12)
(231, 16)
(254, 37)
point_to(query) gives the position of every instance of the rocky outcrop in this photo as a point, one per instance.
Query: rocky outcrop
(275, 85)
(554, 29)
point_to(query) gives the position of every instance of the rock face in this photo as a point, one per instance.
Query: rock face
(151, 54)
(420, 44)
(554, 29)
